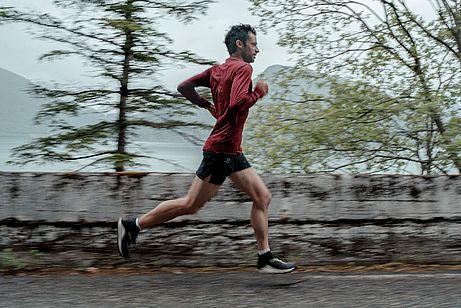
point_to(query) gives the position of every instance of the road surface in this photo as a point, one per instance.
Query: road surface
(232, 289)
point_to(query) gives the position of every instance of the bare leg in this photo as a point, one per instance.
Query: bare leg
(199, 193)
(251, 183)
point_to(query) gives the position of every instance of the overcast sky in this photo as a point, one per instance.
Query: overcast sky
(19, 51)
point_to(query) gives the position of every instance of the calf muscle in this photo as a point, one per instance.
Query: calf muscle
(200, 192)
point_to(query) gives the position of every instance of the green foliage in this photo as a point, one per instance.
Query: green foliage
(9, 261)
(121, 43)
(392, 80)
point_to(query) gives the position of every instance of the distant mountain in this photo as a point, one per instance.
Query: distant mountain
(18, 107)
(295, 86)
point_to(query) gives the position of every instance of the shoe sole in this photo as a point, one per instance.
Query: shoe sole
(120, 235)
(271, 270)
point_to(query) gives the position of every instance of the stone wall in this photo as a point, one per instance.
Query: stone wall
(69, 220)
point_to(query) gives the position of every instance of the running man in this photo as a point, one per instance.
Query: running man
(232, 93)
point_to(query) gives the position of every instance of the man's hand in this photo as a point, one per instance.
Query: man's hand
(262, 86)
(212, 110)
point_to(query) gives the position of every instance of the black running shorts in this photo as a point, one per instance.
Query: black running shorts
(219, 166)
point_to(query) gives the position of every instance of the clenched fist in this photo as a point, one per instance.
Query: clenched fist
(262, 86)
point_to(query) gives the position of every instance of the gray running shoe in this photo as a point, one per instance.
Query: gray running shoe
(269, 264)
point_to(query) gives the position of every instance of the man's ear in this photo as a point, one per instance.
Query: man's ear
(239, 43)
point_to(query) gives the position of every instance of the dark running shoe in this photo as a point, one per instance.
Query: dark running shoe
(127, 232)
(269, 264)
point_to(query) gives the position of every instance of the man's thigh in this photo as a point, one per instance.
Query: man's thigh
(202, 190)
(250, 182)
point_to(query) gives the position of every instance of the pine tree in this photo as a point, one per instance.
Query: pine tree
(122, 44)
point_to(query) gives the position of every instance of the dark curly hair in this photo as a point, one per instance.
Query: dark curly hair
(238, 32)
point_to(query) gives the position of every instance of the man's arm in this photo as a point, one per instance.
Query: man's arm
(242, 97)
(187, 88)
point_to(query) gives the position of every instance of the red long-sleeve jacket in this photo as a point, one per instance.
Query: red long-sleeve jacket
(231, 88)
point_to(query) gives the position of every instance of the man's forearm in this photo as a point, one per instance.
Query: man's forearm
(187, 89)
(248, 100)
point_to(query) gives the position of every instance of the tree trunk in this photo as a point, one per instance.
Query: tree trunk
(119, 164)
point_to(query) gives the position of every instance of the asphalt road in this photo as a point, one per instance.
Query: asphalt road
(232, 289)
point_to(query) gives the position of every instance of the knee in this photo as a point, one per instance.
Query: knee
(263, 200)
(191, 206)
